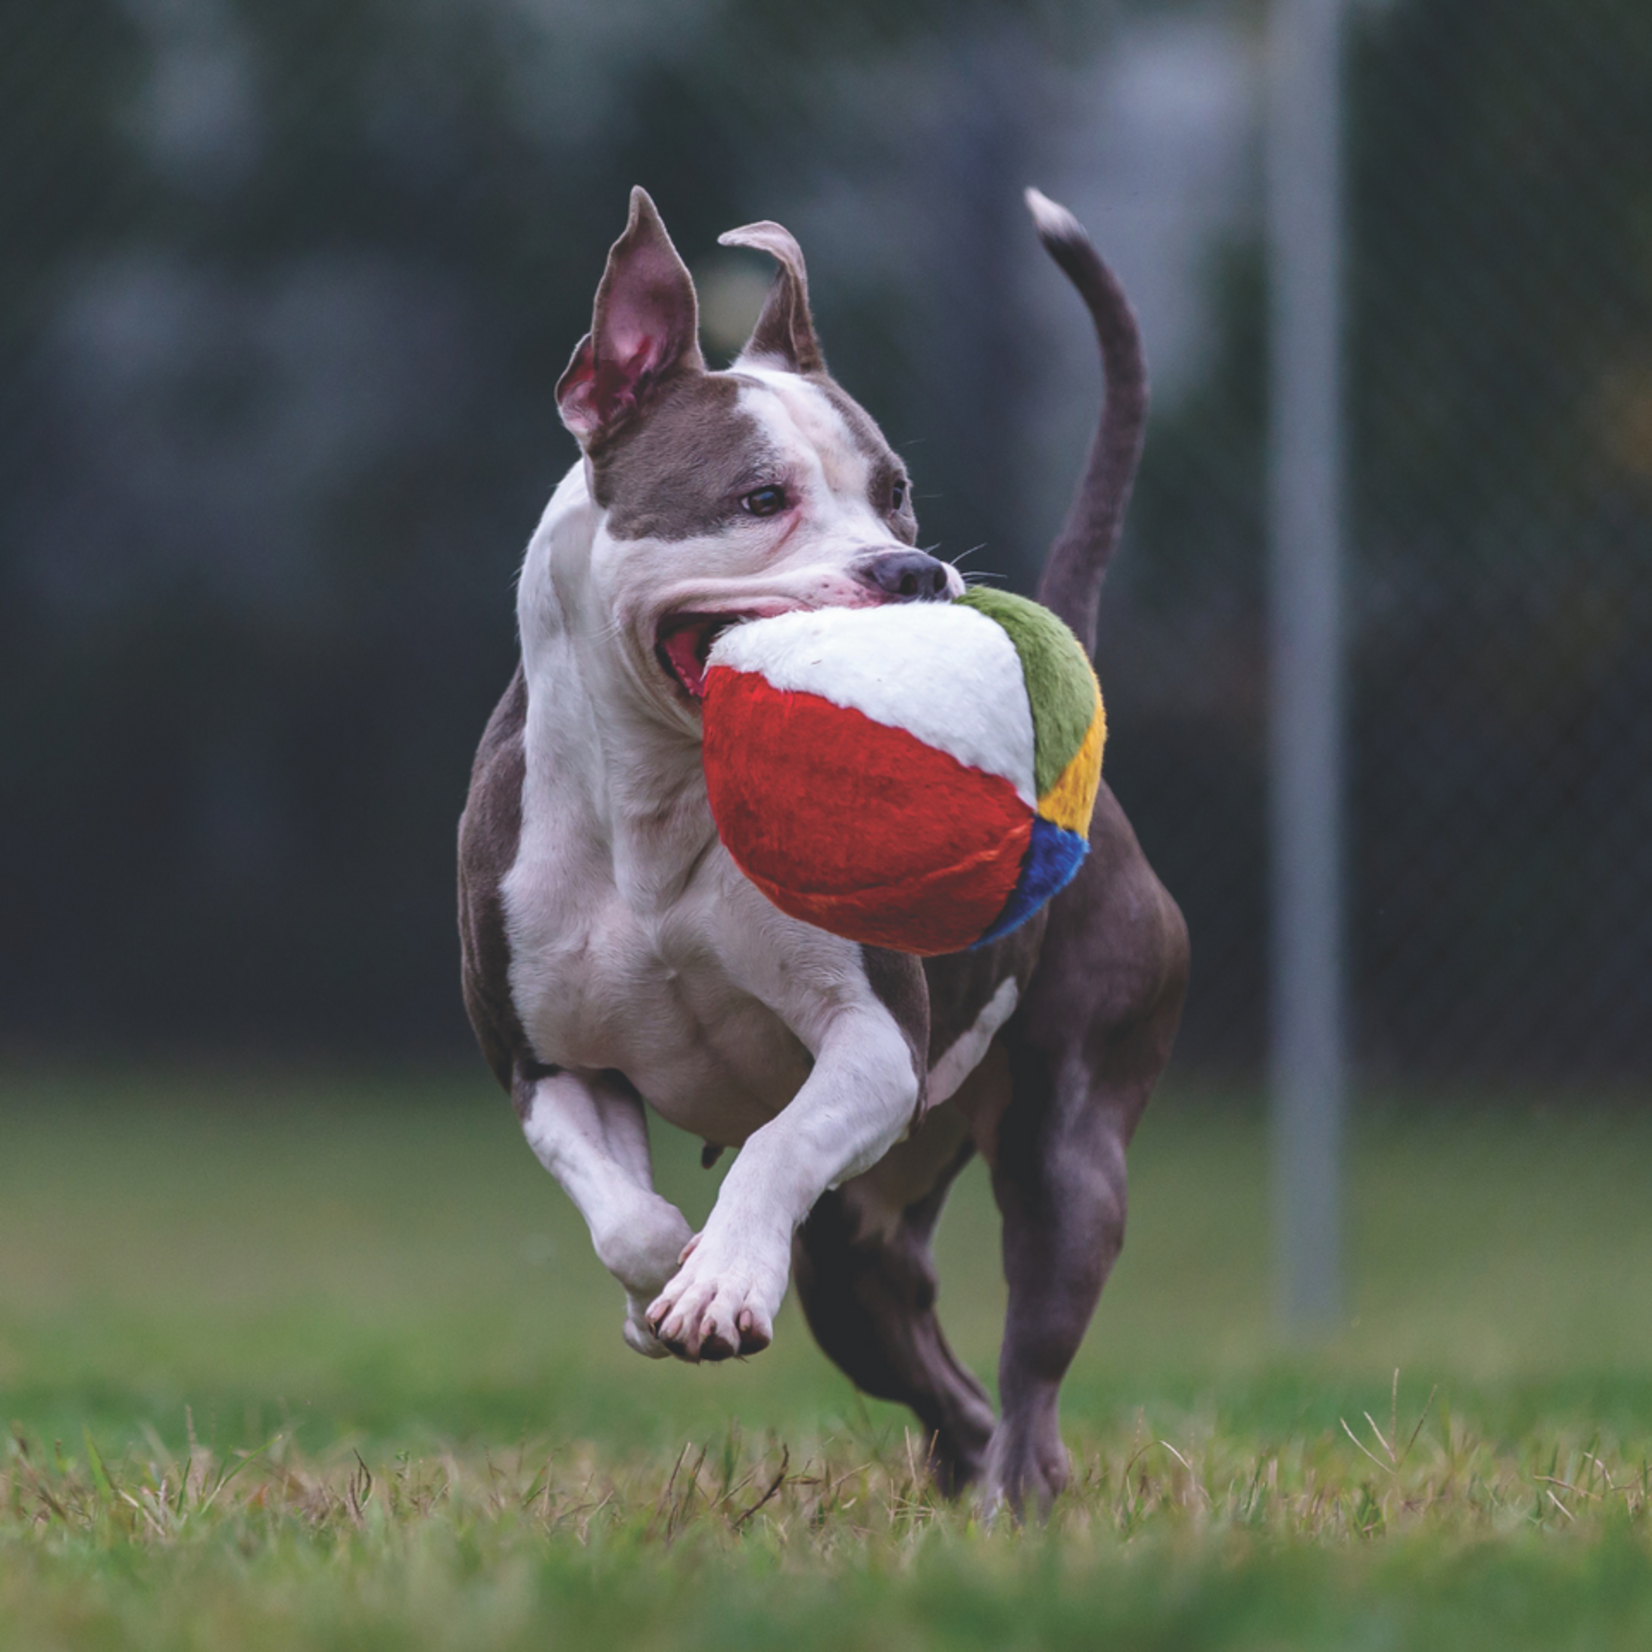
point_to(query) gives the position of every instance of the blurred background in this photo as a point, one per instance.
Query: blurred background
(284, 292)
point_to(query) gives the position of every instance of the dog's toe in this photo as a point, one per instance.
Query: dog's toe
(755, 1336)
(678, 1345)
(714, 1346)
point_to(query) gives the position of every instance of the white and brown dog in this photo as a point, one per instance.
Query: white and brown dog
(615, 959)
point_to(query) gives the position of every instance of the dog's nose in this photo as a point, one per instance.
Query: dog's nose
(907, 576)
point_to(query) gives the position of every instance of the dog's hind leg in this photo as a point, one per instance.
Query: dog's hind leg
(1086, 1046)
(867, 1285)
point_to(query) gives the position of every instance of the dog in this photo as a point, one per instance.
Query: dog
(615, 959)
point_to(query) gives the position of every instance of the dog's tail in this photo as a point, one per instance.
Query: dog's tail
(1071, 582)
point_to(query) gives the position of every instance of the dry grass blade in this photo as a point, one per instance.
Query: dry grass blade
(664, 1501)
(774, 1486)
(1422, 1417)
(1393, 1461)
(1576, 1491)
(1177, 1455)
(358, 1488)
(1387, 1468)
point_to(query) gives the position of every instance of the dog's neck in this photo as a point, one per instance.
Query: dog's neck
(635, 776)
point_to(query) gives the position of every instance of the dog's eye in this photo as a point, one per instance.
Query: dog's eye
(764, 502)
(897, 496)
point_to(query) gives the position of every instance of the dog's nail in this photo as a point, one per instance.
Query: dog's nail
(713, 1344)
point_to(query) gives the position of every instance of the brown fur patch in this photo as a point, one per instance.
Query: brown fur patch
(489, 831)
(962, 984)
(680, 472)
(898, 981)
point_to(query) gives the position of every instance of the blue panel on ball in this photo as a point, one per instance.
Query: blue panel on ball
(1053, 856)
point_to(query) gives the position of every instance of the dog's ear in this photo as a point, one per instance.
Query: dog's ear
(645, 330)
(785, 331)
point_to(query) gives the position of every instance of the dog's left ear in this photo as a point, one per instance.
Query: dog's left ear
(785, 331)
(645, 330)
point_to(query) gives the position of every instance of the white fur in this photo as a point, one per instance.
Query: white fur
(947, 674)
(638, 947)
(961, 1057)
(591, 1135)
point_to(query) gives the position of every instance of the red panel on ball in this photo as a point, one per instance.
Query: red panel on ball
(854, 826)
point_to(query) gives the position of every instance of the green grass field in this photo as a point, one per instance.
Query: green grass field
(294, 1364)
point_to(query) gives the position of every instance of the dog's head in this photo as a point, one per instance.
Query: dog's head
(724, 496)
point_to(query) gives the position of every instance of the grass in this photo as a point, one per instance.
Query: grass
(309, 1364)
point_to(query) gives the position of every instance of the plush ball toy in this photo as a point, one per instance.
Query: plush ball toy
(917, 776)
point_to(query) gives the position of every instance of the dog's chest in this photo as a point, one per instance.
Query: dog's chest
(655, 990)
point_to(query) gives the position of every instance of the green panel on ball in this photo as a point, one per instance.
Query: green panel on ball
(1061, 686)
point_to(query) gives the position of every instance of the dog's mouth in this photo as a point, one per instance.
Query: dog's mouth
(683, 644)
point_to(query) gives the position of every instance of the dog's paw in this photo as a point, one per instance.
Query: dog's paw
(1026, 1470)
(721, 1302)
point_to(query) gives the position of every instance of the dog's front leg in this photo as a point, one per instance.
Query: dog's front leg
(861, 1095)
(591, 1134)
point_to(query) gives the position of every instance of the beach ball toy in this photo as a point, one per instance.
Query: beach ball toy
(918, 776)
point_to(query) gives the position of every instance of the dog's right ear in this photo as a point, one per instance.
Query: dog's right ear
(644, 331)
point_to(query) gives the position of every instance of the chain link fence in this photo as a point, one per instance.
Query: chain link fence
(284, 291)
(1499, 586)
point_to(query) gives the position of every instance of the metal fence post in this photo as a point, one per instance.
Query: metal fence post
(1303, 162)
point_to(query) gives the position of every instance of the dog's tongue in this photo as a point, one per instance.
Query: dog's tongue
(684, 648)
